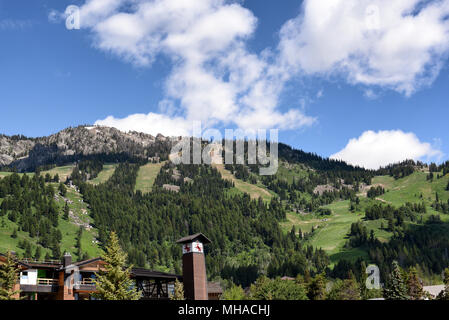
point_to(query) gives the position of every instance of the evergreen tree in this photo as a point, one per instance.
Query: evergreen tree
(395, 288)
(28, 250)
(8, 278)
(62, 189)
(414, 286)
(347, 289)
(14, 234)
(316, 289)
(276, 289)
(179, 291)
(38, 253)
(364, 291)
(66, 212)
(115, 283)
(447, 187)
(444, 295)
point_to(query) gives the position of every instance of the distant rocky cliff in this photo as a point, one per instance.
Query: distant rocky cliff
(27, 153)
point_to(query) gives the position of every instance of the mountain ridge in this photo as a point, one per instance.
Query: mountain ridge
(24, 153)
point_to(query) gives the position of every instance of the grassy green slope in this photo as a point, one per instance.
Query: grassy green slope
(255, 191)
(147, 175)
(105, 174)
(331, 232)
(287, 171)
(409, 189)
(63, 172)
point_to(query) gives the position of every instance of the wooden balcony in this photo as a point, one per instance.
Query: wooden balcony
(42, 285)
(86, 284)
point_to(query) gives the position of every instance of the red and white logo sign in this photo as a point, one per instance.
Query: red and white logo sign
(192, 247)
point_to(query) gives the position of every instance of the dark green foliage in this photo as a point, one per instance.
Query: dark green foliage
(409, 211)
(324, 211)
(38, 253)
(347, 289)
(399, 170)
(66, 212)
(148, 225)
(114, 283)
(8, 278)
(444, 295)
(441, 206)
(375, 192)
(62, 189)
(316, 288)
(395, 287)
(277, 289)
(30, 203)
(233, 292)
(79, 236)
(414, 285)
(88, 169)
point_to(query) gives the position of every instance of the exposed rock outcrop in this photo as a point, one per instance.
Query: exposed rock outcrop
(25, 153)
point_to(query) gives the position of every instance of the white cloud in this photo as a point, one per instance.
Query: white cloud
(398, 44)
(214, 78)
(375, 149)
(151, 123)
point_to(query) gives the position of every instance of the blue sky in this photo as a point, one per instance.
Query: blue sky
(320, 81)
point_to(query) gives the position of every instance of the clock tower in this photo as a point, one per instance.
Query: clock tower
(194, 266)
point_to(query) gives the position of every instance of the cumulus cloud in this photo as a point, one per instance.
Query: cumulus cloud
(214, 78)
(399, 44)
(152, 123)
(377, 149)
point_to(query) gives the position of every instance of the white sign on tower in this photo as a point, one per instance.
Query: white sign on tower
(196, 247)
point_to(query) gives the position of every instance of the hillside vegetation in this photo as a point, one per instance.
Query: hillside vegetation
(147, 176)
(313, 216)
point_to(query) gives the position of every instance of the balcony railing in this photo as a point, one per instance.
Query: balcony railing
(30, 260)
(47, 282)
(86, 282)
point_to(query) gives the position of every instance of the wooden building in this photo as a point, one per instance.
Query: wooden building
(64, 280)
(67, 280)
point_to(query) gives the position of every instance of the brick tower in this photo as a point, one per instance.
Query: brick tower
(194, 266)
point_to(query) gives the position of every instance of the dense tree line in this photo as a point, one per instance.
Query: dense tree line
(425, 246)
(400, 170)
(245, 233)
(408, 211)
(30, 203)
(375, 192)
(86, 170)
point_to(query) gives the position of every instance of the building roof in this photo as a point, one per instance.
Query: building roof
(31, 263)
(84, 262)
(57, 266)
(198, 236)
(214, 287)
(434, 290)
(150, 274)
